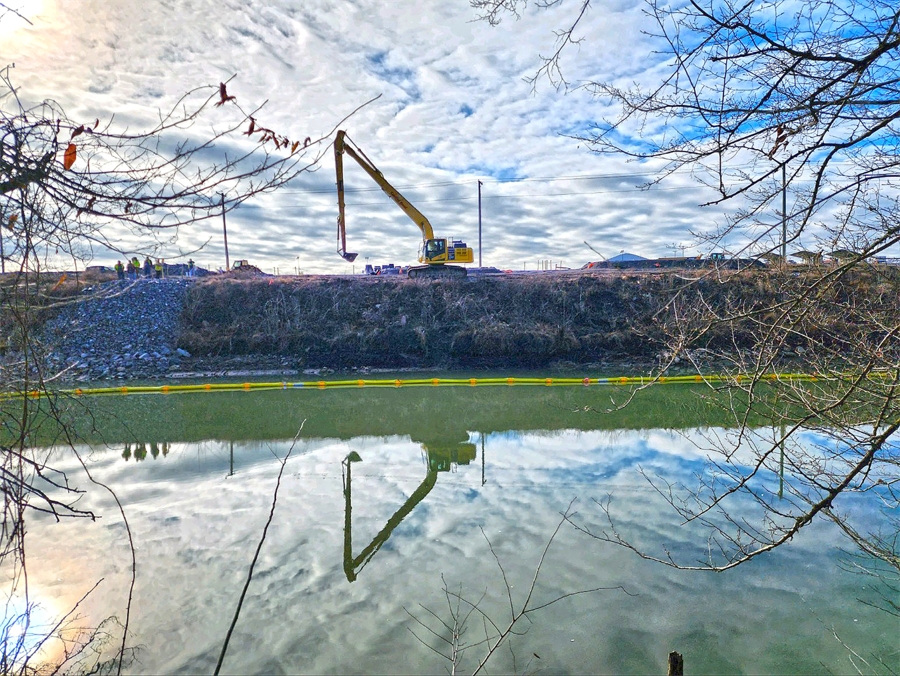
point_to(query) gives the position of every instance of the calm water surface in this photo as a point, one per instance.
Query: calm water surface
(444, 475)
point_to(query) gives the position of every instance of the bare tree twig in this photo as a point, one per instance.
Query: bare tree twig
(496, 634)
(262, 539)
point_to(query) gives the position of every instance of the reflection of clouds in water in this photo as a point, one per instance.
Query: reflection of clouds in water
(196, 527)
(576, 458)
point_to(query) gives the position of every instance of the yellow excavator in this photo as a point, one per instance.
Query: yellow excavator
(435, 253)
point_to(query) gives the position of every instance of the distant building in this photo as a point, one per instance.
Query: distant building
(810, 257)
(626, 257)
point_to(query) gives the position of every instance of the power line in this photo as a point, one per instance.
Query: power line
(585, 177)
(497, 181)
(632, 190)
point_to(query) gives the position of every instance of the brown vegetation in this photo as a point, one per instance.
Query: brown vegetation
(400, 323)
(508, 321)
(27, 301)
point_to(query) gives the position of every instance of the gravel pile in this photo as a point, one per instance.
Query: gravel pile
(120, 331)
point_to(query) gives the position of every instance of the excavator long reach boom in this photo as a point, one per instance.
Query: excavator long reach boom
(435, 251)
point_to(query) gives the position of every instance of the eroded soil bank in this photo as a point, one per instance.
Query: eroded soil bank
(527, 321)
(235, 325)
(479, 322)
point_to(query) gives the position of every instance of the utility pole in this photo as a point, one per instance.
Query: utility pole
(479, 224)
(2, 257)
(225, 232)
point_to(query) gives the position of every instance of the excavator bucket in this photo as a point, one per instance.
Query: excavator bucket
(349, 257)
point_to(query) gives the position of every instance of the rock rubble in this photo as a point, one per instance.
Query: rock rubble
(118, 331)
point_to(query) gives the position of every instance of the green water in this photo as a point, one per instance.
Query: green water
(444, 476)
(423, 413)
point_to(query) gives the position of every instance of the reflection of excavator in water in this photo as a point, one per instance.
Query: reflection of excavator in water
(435, 252)
(439, 460)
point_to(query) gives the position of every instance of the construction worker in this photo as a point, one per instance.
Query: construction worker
(148, 267)
(137, 266)
(190, 270)
(120, 270)
(159, 268)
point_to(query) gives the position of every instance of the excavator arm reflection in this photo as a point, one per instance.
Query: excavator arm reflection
(439, 460)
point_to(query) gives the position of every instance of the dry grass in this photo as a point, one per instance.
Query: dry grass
(514, 320)
(28, 302)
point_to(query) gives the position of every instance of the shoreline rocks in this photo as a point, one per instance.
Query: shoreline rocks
(117, 330)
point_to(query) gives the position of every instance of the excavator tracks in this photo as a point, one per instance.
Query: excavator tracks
(436, 272)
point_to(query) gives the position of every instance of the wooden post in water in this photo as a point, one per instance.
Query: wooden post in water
(676, 664)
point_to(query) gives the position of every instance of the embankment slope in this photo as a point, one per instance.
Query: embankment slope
(615, 322)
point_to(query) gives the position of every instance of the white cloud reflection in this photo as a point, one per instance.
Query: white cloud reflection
(196, 525)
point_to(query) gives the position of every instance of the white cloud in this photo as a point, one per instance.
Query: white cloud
(454, 109)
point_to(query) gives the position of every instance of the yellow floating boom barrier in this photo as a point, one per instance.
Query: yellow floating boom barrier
(440, 382)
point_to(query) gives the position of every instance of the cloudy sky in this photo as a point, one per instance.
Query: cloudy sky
(454, 109)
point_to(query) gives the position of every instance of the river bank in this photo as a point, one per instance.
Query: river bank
(179, 328)
(239, 326)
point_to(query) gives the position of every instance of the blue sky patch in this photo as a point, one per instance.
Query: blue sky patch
(578, 128)
(498, 173)
(401, 77)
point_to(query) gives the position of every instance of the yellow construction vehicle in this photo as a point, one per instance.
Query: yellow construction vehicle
(436, 252)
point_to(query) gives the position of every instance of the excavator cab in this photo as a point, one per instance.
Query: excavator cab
(435, 250)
